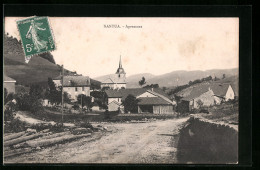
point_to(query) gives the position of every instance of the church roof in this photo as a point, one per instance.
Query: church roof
(114, 79)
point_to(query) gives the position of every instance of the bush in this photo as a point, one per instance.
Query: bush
(14, 126)
(8, 96)
(85, 125)
(130, 104)
(26, 102)
(9, 111)
(57, 127)
(75, 107)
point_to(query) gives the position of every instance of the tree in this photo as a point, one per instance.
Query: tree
(164, 89)
(224, 76)
(66, 97)
(27, 102)
(130, 104)
(151, 86)
(37, 91)
(7, 96)
(84, 100)
(53, 94)
(48, 56)
(142, 82)
(216, 79)
(99, 97)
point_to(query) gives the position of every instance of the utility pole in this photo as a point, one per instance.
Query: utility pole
(62, 94)
(81, 103)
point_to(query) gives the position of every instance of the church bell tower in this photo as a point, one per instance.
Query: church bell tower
(120, 71)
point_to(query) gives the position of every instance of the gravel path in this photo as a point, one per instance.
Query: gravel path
(123, 143)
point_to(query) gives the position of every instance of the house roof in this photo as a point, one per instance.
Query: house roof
(218, 89)
(152, 101)
(186, 92)
(196, 92)
(114, 79)
(123, 93)
(75, 81)
(113, 93)
(161, 96)
(8, 79)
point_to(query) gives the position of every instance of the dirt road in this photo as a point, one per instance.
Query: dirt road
(123, 143)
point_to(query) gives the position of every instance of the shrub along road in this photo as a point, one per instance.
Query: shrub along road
(149, 142)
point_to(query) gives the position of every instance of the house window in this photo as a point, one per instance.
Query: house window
(83, 88)
(76, 89)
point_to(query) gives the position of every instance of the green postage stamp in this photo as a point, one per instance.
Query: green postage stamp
(36, 36)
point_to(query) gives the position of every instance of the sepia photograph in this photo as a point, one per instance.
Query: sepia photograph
(121, 90)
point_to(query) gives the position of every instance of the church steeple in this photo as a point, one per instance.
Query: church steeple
(120, 69)
(120, 63)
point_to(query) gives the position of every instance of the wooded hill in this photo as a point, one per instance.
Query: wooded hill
(36, 71)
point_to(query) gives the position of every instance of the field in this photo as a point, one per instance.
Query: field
(227, 112)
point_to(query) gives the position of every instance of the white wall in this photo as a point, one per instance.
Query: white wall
(114, 99)
(113, 86)
(57, 82)
(146, 94)
(207, 99)
(119, 86)
(230, 95)
(73, 93)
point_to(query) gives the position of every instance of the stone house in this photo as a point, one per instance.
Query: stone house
(74, 85)
(207, 95)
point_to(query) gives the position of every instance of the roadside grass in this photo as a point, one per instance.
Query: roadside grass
(227, 112)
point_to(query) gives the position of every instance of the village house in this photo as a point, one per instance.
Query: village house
(9, 84)
(152, 100)
(206, 95)
(117, 80)
(223, 92)
(74, 85)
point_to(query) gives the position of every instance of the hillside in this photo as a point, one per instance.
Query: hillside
(36, 71)
(177, 78)
(133, 81)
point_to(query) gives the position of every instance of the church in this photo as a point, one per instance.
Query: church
(117, 80)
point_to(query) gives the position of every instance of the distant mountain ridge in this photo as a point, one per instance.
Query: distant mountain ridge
(175, 78)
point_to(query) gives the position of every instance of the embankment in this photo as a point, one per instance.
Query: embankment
(202, 141)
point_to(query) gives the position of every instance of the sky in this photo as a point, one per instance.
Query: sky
(161, 46)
